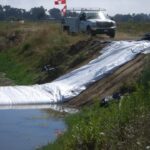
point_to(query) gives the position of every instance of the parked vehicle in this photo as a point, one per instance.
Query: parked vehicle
(91, 22)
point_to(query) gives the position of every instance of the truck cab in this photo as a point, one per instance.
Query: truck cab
(90, 22)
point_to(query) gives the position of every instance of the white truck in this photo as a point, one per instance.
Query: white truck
(90, 22)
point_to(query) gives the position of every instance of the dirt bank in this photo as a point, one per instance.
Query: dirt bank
(4, 81)
(111, 83)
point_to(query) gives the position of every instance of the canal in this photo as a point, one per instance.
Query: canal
(28, 129)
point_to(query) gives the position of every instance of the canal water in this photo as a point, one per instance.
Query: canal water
(28, 129)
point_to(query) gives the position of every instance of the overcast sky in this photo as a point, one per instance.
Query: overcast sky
(112, 6)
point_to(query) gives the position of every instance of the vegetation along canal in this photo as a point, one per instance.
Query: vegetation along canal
(27, 129)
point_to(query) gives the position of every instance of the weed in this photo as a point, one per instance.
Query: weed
(122, 125)
(27, 48)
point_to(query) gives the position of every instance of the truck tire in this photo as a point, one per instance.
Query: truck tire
(89, 31)
(111, 34)
(68, 30)
(64, 28)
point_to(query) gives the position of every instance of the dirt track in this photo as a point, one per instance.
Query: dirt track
(111, 83)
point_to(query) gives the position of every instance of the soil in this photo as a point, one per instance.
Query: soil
(4, 81)
(127, 73)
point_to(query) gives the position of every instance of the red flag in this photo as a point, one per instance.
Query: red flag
(57, 2)
(63, 1)
(63, 11)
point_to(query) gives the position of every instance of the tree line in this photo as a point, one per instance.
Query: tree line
(132, 17)
(40, 13)
(8, 13)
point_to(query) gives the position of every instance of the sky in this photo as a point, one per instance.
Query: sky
(112, 6)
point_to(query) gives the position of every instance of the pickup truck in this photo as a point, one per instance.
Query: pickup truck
(91, 23)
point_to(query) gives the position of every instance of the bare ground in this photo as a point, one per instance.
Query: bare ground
(4, 81)
(111, 83)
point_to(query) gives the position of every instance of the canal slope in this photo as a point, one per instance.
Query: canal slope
(72, 84)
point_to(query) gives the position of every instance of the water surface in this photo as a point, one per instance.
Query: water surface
(27, 129)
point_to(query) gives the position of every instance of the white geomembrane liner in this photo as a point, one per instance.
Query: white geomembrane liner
(73, 83)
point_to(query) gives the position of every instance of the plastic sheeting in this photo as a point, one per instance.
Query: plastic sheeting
(73, 83)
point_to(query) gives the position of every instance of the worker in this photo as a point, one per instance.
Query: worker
(83, 16)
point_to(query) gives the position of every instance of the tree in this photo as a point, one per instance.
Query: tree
(55, 13)
(1, 13)
(38, 13)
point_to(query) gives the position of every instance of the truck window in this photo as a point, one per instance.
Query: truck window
(98, 15)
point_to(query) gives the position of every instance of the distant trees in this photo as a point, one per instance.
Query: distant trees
(1, 13)
(55, 13)
(132, 18)
(39, 13)
(10, 13)
(7, 13)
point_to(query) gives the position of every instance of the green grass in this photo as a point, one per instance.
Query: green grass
(134, 28)
(122, 125)
(15, 71)
(26, 48)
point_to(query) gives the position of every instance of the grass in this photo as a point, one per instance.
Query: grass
(15, 71)
(133, 28)
(121, 125)
(27, 48)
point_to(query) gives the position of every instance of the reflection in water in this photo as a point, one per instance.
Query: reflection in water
(22, 128)
(54, 107)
